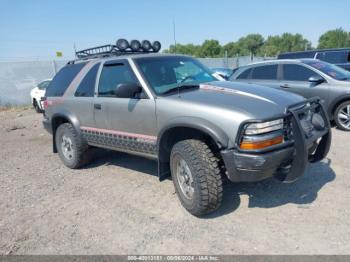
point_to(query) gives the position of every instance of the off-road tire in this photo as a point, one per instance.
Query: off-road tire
(336, 112)
(207, 180)
(80, 154)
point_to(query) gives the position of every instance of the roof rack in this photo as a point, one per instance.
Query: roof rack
(107, 50)
(122, 47)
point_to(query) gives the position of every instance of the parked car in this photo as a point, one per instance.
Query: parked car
(170, 108)
(37, 93)
(337, 56)
(223, 71)
(306, 77)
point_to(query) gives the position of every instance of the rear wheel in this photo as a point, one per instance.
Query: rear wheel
(196, 176)
(71, 147)
(342, 116)
(36, 106)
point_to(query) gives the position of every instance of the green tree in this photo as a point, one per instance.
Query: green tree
(287, 42)
(251, 44)
(188, 49)
(271, 46)
(210, 48)
(334, 39)
(232, 48)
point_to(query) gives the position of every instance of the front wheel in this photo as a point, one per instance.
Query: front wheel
(196, 176)
(342, 116)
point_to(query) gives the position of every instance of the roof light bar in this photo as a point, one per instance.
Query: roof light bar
(121, 47)
(135, 45)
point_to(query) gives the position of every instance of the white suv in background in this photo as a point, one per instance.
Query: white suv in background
(37, 93)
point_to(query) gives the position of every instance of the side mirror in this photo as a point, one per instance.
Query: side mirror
(128, 90)
(316, 80)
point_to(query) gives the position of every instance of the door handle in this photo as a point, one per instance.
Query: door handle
(97, 106)
(284, 86)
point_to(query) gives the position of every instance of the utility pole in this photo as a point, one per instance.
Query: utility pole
(174, 36)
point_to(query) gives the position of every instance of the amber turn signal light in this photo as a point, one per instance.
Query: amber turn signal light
(256, 145)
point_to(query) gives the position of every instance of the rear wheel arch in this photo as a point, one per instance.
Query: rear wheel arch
(214, 137)
(59, 119)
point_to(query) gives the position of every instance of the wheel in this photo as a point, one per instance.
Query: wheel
(36, 107)
(342, 116)
(71, 147)
(196, 176)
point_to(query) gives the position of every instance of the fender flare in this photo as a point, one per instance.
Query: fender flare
(71, 118)
(217, 134)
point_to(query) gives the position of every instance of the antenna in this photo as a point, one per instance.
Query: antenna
(75, 50)
(174, 36)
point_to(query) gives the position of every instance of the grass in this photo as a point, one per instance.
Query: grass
(9, 107)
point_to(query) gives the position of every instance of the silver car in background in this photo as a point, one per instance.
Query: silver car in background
(306, 77)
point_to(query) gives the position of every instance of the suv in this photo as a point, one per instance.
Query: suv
(170, 108)
(336, 56)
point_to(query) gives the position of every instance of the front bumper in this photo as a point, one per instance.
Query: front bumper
(288, 161)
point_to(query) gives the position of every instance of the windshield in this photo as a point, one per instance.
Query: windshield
(169, 72)
(43, 85)
(333, 71)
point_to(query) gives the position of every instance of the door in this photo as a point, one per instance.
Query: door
(295, 78)
(127, 124)
(265, 75)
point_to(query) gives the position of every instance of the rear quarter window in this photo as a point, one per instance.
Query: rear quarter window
(266, 72)
(87, 86)
(62, 79)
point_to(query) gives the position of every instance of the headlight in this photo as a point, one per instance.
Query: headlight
(265, 127)
(257, 136)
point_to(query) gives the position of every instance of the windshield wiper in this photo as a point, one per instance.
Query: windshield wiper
(180, 88)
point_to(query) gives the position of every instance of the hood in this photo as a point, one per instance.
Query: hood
(254, 101)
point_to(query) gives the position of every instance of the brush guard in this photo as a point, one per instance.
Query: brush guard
(311, 134)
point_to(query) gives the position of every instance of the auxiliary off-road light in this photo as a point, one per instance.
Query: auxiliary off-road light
(122, 44)
(156, 46)
(135, 45)
(146, 45)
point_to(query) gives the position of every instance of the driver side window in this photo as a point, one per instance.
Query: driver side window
(112, 75)
(292, 72)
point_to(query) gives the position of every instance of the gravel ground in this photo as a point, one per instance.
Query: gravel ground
(116, 205)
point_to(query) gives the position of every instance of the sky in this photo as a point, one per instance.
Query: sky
(36, 29)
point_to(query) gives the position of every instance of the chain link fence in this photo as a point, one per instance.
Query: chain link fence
(18, 78)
